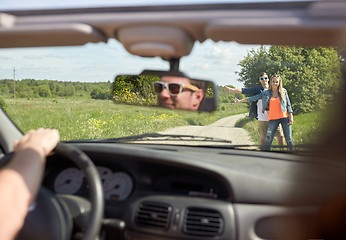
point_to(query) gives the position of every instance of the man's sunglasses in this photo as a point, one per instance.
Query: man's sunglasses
(173, 88)
(263, 78)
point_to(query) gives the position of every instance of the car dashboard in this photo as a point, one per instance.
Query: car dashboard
(176, 192)
(123, 178)
(159, 194)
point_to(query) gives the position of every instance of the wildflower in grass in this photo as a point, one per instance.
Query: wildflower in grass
(95, 127)
(141, 116)
(126, 96)
(121, 117)
(111, 121)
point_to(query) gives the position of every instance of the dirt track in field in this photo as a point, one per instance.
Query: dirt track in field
(222, 129)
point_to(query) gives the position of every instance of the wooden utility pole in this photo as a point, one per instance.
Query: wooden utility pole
(14, 82)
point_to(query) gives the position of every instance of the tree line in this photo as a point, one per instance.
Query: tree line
(31, 88)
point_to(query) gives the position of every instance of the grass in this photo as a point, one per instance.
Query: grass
(306, 128)
(84, 118)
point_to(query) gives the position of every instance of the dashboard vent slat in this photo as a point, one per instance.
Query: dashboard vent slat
(203, 222)
(153, 215)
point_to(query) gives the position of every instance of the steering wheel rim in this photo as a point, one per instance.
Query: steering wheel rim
(92, 176)
(52, 218)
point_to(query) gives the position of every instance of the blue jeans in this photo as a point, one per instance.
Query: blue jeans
(287, 129)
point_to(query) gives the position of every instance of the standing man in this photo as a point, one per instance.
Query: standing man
(256, 109)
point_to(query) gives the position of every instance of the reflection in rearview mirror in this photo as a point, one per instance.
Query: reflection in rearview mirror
(169, 91)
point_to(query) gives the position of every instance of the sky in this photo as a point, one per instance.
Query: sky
(94, 62)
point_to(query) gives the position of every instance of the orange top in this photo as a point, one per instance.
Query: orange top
(275, 111)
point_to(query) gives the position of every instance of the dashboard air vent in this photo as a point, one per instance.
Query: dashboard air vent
(153, 215)
(203, 222)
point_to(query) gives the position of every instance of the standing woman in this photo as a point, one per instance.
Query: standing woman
(276, 100)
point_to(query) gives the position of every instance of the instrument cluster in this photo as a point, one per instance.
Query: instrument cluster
(117, 185)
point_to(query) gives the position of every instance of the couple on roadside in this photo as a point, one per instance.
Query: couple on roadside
(270, 104)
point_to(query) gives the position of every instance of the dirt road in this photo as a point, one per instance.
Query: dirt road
(222, 129)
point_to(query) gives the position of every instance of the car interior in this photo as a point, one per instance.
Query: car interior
(137, 191)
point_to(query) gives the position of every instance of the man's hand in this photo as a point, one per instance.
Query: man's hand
(228, 89)
(235, 90)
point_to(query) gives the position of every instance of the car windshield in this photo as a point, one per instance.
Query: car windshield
(89, 85)
(68, 88)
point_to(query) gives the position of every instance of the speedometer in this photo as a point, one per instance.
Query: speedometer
(105, 173)
(68, 181)
(118, 187)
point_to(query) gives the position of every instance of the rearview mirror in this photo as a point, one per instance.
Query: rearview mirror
(165, 89)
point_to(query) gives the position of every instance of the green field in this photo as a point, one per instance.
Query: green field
(84, 118)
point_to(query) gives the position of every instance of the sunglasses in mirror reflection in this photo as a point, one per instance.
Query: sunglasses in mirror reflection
(174, 92)
(173, 88)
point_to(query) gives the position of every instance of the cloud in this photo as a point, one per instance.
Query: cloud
(216, 61)
(220, 52)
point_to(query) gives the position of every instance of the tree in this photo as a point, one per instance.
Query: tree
(135, 89)
(23, 90)
(43, 90)
(311, 76)
(3, 104)
(4, 90)
(99, 93)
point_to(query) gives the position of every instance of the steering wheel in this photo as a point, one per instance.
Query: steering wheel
(54, 216)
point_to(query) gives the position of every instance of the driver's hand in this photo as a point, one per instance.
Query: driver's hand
(41, 140)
